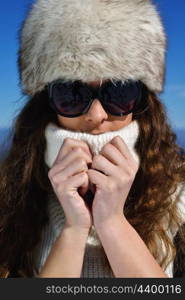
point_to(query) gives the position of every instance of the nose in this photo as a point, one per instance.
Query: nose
(96, 112)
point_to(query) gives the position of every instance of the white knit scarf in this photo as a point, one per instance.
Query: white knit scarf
(55, 137)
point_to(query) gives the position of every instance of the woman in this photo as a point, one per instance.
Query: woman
(93, 184)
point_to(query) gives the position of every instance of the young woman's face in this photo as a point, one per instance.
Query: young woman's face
(96, 120)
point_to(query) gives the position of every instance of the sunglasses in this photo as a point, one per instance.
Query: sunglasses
(72, 99)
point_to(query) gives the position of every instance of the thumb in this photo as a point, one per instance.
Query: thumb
(97, 178)
(84, 187)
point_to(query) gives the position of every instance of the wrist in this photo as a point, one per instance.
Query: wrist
(111, 224)
(75, 230)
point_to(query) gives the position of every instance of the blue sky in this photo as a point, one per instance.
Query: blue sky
(173, 16)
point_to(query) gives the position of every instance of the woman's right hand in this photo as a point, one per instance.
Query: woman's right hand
(68, 173)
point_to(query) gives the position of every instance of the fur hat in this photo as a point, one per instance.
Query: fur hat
(91, 40)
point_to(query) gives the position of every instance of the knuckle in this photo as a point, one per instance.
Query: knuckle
(55, 180)
(78, 150)
(61, 188)
(97, 158)
(122, 181)
(125, 178)
(67, 141)
(82, 163)
(84, 175)
(132, 173)
(52, 171)
(135, 165)
(50, 174)
(112, 186)
(107, 147)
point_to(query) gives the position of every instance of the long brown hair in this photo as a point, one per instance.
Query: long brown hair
(24, 184)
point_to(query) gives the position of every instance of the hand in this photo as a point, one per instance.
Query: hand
(68, 173)
(112, 187)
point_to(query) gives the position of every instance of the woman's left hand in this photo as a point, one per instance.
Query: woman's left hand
(112, 187)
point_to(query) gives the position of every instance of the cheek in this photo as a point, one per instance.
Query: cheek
(70, 123)
(120, 122)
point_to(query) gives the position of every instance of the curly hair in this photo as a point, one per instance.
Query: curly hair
(24, 185)
(152, 204)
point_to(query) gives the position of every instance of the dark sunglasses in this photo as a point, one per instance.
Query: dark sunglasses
(72, 99)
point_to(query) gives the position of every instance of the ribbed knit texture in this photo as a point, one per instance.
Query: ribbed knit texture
(55, 137)
(95, 263)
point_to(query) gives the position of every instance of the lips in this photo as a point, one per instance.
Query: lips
(99, 132)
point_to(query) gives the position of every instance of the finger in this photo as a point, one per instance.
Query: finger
(83, 188)
(110, 152)
(77, 153)
(103, 164)
(119, 143)
(95, 177)
(77, 181)
(73, 169)
(68, 145)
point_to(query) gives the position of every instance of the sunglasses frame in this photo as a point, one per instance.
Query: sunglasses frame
(96, 94)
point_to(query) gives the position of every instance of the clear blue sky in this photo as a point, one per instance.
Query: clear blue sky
(173, 15)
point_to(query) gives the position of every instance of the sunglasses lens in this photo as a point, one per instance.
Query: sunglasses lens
(121, 98)
(69, 98)
(117, 109)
